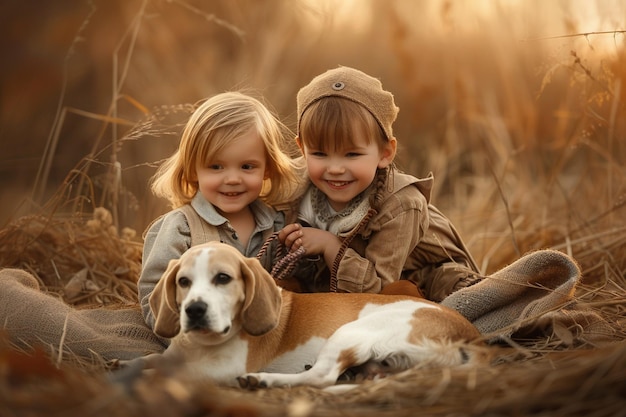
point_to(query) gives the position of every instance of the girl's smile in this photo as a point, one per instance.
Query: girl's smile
(338, 184)
(234, 176)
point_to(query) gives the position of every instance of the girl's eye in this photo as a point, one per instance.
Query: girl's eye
(247, 167)
(318, 154)
(353, 154)
(214, 166)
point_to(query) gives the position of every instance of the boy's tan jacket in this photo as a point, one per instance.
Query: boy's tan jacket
(408, 238)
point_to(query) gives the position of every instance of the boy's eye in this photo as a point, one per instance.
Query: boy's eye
(353, 154)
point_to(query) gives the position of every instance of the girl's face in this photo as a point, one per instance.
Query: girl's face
(342, 174)
(234, 177)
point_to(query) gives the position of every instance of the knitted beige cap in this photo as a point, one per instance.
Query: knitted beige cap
(354, 85)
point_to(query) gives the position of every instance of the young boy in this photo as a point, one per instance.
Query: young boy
(369, 224)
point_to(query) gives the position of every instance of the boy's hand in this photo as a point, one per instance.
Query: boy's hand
(289, 234)
(315, 241)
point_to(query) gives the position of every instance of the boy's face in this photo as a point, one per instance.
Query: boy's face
(343, 174)
(234, 177)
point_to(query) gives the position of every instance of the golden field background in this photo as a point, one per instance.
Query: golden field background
(517, 107)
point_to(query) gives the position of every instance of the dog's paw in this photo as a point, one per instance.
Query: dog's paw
(251, 382)
(117, 364)
(126, 372)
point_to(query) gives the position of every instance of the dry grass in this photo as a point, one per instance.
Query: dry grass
(525, 137)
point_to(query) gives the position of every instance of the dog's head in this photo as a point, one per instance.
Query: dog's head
(214, 291)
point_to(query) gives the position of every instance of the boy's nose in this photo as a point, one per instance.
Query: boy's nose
(336, 168)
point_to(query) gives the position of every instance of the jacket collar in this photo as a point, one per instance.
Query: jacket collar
(264, 215)
(401, 180)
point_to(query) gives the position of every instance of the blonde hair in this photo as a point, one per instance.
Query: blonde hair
(333, 123)
(215, 124)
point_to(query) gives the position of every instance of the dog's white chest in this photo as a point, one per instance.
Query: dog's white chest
(222, 364)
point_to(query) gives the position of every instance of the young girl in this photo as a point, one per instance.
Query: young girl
(369, 224)
(226, 175)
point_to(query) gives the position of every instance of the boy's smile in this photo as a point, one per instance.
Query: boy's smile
(344, 173)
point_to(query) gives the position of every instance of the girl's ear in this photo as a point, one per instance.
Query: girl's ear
(388, 153)
(193, 175)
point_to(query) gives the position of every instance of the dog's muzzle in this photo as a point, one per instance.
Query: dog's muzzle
(196, 315)
(197, 318)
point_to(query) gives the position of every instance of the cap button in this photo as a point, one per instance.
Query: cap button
(338, 86)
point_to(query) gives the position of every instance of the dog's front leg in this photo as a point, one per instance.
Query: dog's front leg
(324, 373)
(142, 362)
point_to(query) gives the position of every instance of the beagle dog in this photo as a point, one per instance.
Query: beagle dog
(229, 322)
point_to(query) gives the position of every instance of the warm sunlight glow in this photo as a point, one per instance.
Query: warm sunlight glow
(523, 19)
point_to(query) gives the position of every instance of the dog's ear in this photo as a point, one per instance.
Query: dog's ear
(163, 303)
(261, 308)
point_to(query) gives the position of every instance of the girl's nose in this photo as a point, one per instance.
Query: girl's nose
(232, 178)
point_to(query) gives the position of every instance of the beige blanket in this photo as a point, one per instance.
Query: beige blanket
(533, 294)
(33, 318)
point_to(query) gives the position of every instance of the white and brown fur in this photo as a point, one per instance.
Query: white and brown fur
(228, 321)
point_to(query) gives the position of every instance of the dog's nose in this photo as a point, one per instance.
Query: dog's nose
(196, 310)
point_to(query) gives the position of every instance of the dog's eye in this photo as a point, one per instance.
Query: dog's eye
(222, 279)
(184, 282)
